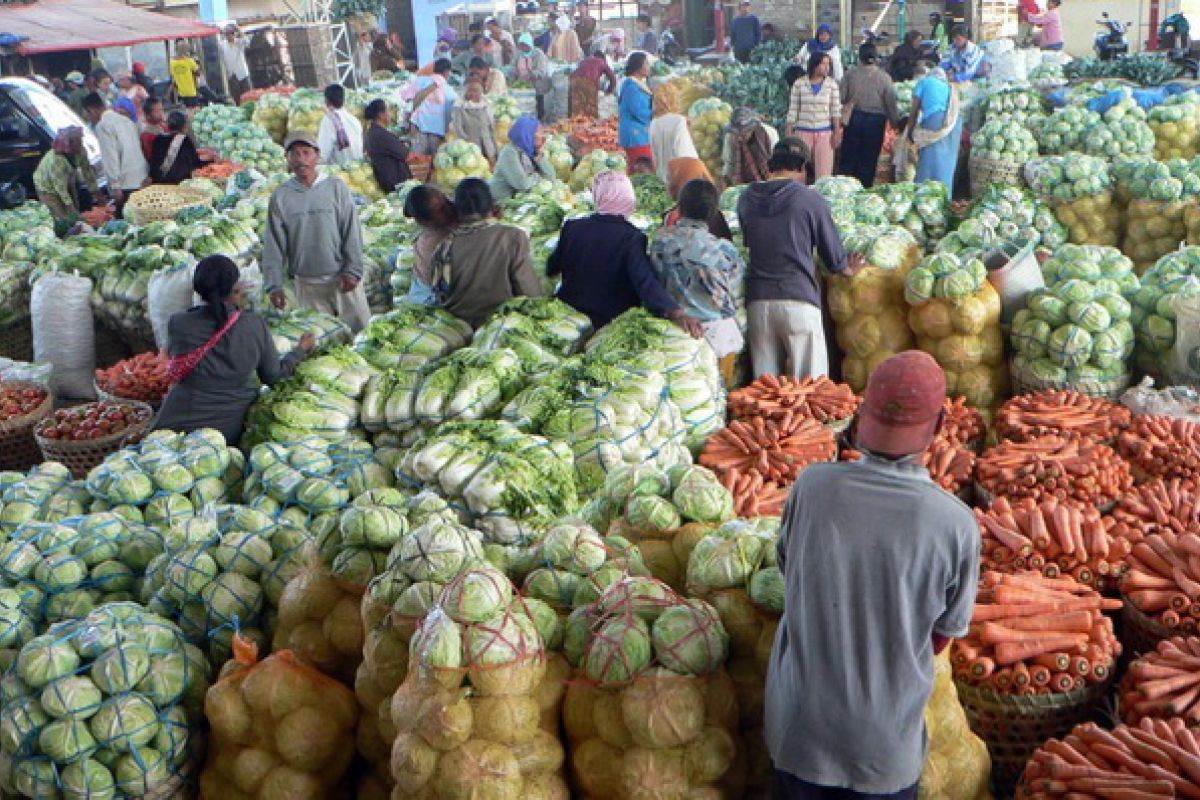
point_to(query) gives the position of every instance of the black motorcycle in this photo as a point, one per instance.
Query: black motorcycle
(1111, 42)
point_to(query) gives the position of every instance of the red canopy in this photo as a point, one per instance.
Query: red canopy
(53, 26)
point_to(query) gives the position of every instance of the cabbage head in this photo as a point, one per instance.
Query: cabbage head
(689, 639)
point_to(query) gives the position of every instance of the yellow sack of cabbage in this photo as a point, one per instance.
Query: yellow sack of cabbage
(870, 317)
(279, 729)
(319, 621)
(664, 553)
(1154, 228)
(963, 335)
(957, 766)
(1091, 220)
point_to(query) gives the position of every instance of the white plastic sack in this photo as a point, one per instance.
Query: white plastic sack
(169, 293)
(1008, 67)
(251, 280)
(63, 335)
(1183, 360)
(24, 371)
(1178, 401)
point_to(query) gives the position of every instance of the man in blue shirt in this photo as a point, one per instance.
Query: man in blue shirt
(966, 60)
(745, 32)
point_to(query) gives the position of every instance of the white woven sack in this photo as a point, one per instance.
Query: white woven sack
(62, 333)
(169, 293)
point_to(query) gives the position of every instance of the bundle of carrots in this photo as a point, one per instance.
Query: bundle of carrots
(590, 134)
(1160, 505)
(1054, 538)
(218, 170)
(1164, 683)
(1054, 466)
(97, 215)
(758, 459)
(950, 464)
(1036, 635)
(1163, 580)
(1151, 760)
(778, 397)
(1063, 413)
(142, 377)
(962, 423)
(1162, 447)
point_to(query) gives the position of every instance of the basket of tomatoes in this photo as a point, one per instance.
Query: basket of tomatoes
(22, 406)
(82, 436)
(142, 377)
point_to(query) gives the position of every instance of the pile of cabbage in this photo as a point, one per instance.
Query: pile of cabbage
(505, 112)
(1005, 214)
(1064, 131)
(944, 275)
(120, 291)
(44, 494)
(1126, 136)
(457, 160)
(1176, 127)
(1175, 276)
(387, 253)
(559, 152)
(922, 208)
(1004, 139)
(1047, 75)
(240, 140)
(306, 109)
(1078, 328)
(321, 399)
(592, 165)
(1079, 188)
(571, 564)
(1158, 194)
(542, 331)
(502, 478)
(1148, 179)
(168, 476)
(271, 114)
(102, 706)
(223, 572)
(648, 345)
(359, 176)
(1015, 106)
(410, 336)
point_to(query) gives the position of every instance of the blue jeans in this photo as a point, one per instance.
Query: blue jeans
(786, 786)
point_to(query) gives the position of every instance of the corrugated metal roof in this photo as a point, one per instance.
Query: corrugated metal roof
(52, 26)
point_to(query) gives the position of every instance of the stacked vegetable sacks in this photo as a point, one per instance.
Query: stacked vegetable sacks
(707, 120)
(1158, 195)
(957, 766)
(469, 714)
(103, 706)
(1175, 276)
(955, 314)
(998, 151)
(649, 712)
(1079, 190)
(734, 568)
(869, 309)
(279, 729)
(457, 160)
(1076, 331)
(1176, 127)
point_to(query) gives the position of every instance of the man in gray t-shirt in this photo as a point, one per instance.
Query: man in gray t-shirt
(881, 567)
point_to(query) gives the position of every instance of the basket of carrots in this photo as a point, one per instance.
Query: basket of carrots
(1069, 469)
(1039, 655)
(218, 170)
(142, 377)
(963, 424)
(1061, 412)
(421, 167)
(780, 397)
(1162, 588)
(1164, 683)
(1162, 447)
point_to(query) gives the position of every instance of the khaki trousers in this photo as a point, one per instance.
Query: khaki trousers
(787, 338)
(350, 307)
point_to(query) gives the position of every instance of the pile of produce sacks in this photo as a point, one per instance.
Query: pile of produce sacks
(410, 336)
(279, 729)
(1063, 131)
(1000, 140)
(306, 109)
(922, 208)
(1004, 215)
(104, 706)
(1121, 131)
(955, 315)
(359, 176)
(868, 309)
(957, 764)
(457, 160)
(1077, 329)
(1156, 194)
(1175, 276)
(1176, 127)
(271, 114)
(289, 327)
(44, 494)
(707, 120)
(1079, 190)
(1015, 106)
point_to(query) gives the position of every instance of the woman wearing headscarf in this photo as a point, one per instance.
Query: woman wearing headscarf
(436, 217)
(815, 114)
(869, 94)
(823, 42)
(586, 85)
(565, 46)
(603, 262)
(675, 158)
(217, 350)
(635, 109)
(521, 164)
(935, 127)
(173, 156)
(746, 147)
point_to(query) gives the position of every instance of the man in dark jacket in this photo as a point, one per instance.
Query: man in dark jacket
(782, 222)
(385, 150)
(745, 32)
(903, 62)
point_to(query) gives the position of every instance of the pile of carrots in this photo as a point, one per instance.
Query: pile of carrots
(1054, 466)
(1053, 538)
(1062, 413)
(1163, 581)
(1164, 683)
(589, 134)
(256, 94)
(1036, 635)
(1154, 759)
(97, 215)
(962, 424)
(218, 170)
(1160, 505)
(778, 397)
(1162, 447)
(951, 465)
(758, 460)
(142, 377)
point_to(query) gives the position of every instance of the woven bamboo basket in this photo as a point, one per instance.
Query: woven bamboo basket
(162, 202)
(109, 397)
(1013, 726)
(1024, 383)
(81, 456)
(985, 171)
(421, 170)
(18, 449)
(1139, 633)
(16, 340)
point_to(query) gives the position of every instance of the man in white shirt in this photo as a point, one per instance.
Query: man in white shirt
(340, 138)
(233, 58)
(124, 164)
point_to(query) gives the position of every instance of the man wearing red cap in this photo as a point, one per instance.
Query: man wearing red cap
(880, 567)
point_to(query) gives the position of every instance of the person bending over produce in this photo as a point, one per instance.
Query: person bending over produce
(700, 271)
(436, 216)
(64, 180)
(935, 127)
(746, 147)
(603, 262)
(313, 235)
(386, 151)
(521, 164)
(482, 263)
(880, 568)
(782, 222)
(635, 109)
(173, 156)
(868, 90)
(586, 85)
(216, 351)
(472, 120)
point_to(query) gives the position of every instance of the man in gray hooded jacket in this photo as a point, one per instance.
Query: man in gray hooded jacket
(783, 221)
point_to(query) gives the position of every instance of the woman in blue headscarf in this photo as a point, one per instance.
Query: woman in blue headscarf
(823, 42)
(521, 164)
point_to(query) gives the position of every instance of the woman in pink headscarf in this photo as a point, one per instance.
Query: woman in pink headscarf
(603, 263)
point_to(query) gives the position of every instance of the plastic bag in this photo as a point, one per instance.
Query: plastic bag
(63, 335)
(1183, 360)
(1182, 402)
(169, 293)
(957, 766)
(24, 371)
